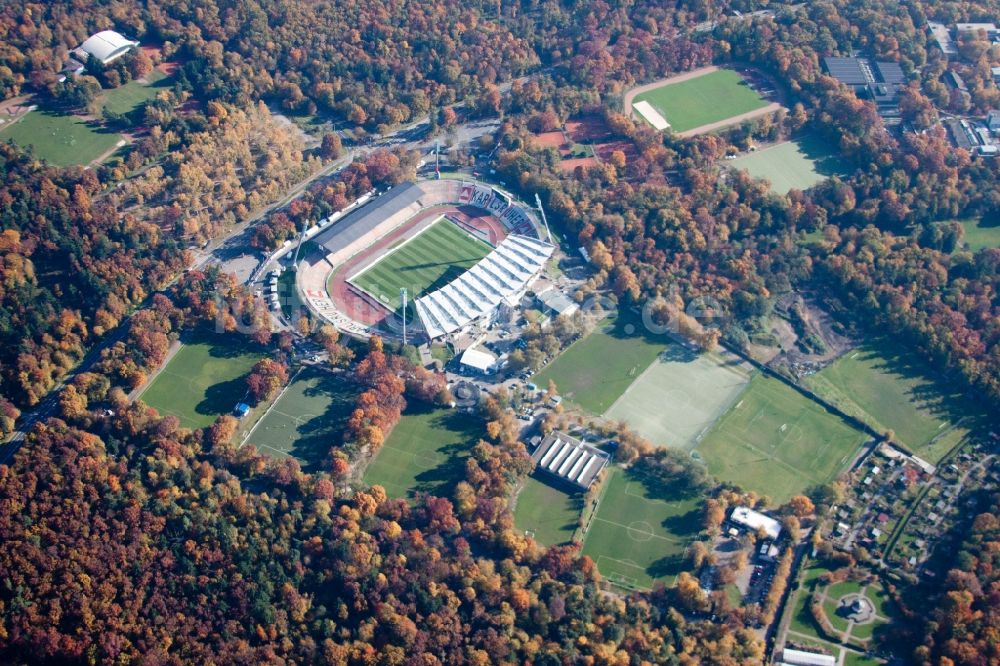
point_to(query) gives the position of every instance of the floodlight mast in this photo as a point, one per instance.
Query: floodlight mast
(538, 200)
(402, 298)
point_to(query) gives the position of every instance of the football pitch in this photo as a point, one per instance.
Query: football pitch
(425, 452)
(888, 391)
(702, 100)
(595, 370)
(548, 513)
(308, 418)
(59, 139)
(204, 379)
(678, 398)
(797, 164)
(777, 442)
(639, 535)
(425, 262)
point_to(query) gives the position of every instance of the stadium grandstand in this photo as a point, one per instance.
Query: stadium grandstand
(569, 459)
(505, 273)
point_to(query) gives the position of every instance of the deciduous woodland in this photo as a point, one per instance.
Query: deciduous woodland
(125, 538)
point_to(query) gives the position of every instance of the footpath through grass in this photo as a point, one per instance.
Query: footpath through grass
(61, 140)
(426, 452)
(641, 530)
(595, 370)
(706, 99)
(548, 512)
(777, 442)
(206, 378)
(436, 256)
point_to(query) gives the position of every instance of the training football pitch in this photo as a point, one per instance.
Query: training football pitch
(547, 512)
(427, 261)
(595, 370)
(797, 164)
(204, 379)
(702, 100)
(888, 391)
(307, 419)
(777, 442)
(127, 98)
(639, 534)
(678, 398)
(59, 139)
(425, 452)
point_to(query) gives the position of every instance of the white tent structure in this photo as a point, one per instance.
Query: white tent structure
(507, 270)
(107, 46)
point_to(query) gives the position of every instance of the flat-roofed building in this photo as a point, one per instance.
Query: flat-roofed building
(569, 459)
(755, 520)
(803, 658)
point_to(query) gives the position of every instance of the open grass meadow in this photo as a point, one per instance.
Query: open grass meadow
(127, 98)
(797, 164)
(428, 261)
(594, 371)
(425, 452)
(204, 379)
(307, 419)
(640, 533)
(706, 99)
(981, 234)
(777, 442)
(678, 398)
(547, 511)
(887, 389)
(60, 139)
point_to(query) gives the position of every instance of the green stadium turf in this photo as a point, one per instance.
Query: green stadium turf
(777, 442)
(678, 398)
(204, 379)
(798, 164)
(597, 369)
(61, 140)
(308, 418)
(548, 512)
(127, 98)
(428, 261)
(889, 391)
(706, 99)
(425, 452)
(639, 535)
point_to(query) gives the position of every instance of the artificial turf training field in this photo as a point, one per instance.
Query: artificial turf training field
(308, 418)
(639, 535)
(702, 100)
(888, 392)
(680, 395)
(204, 379)
(425, 452)
(549, 513)
(595, 370)
(59, 139)
(777, 442)
(427, 261)
(797, 164)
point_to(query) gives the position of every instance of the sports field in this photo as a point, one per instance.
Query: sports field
(60, 139)
(548, 513)
(307, 419)
(204, 379)
(639, 535)
(678, 398)
(426, 452)
(595, 370)
(429, 260)
(888, 392)
(702, 100)
(127, 98)
(797, 164)
(777, 442)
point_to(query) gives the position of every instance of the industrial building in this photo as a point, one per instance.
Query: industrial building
(879, 81)
(569, 459)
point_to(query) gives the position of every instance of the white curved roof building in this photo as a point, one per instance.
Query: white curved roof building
(107, 46)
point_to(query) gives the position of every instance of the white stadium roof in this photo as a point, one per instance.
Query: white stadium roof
(106, 46)
(507, 270)
(755, 520)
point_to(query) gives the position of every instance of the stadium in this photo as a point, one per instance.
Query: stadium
(464, 253)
